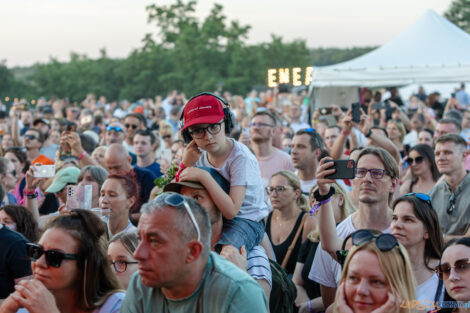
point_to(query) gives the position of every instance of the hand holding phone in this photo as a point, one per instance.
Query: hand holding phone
(43, 171)
(356, 112)
(345, 169)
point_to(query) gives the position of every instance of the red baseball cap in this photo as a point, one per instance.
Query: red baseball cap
(205, 109)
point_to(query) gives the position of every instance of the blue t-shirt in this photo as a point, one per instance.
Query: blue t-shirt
(154, 168)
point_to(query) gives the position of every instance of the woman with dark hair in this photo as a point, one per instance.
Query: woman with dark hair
(119, 196)
(19, 219)
(453, 270)
(70, 268)
(21, 164)
(426, 136)
(424, 173)
(416, 227)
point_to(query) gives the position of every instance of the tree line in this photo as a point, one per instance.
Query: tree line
(183, 53)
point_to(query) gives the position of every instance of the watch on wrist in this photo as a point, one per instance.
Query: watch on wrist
(369, 133)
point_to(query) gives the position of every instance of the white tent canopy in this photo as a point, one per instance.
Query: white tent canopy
(432, 50)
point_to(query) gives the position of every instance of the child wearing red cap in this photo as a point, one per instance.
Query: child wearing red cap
(243, 208)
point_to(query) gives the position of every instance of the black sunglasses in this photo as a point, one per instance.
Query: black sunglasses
(451, 206)
(417, 160)
(385, 242)
(131, 125)
(54, 258)
(30, 137)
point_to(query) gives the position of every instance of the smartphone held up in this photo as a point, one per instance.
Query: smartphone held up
(345, 169)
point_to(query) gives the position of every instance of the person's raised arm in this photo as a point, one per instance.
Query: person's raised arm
(73, 140)
(329, 239)
(15, 129)
(378, 139)
(191, 154)
(340, 142)
(31, 202)
(403, 117)
(229, 205)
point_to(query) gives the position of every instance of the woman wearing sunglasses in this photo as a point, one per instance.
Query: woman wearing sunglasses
(121, 250)
(423, 173)
(287, 226)
(376, 276)
(454, 271)
(70, 270)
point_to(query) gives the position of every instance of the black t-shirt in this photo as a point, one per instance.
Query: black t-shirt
(306, 255)
(145, 180)
(14, 262)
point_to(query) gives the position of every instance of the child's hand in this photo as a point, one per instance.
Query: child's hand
(191, 154)
(192, 174)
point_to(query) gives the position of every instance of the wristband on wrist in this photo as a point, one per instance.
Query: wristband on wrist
(309, 304)
(314, 121)
(321, 198)
(317, 206)
(82, 155)
(29, 192)
(369, 133)
(33, 195)
(345, 133)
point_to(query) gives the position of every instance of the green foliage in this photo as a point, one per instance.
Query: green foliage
(183, 53)
(459, 14)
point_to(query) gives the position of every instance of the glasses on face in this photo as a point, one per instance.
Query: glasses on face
(54, 258)
(13, 173)
(277, 189)
(166, 137)
(417, 160)
(385, 242)
(375, 173)
(260, 125)
(115, 128)
(30, 137)
(212, 129)
(421, 196)
(176, 200)
(451, 206)
(460, 267)
(131, 125)
(120, 266)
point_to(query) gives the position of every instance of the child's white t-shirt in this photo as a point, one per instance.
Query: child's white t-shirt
(241, 169)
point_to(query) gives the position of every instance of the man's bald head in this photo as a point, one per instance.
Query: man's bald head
(117, 158)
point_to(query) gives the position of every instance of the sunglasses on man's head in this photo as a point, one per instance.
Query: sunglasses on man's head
(54, 258)
(115, 128)
(460, 266)
(417, 160)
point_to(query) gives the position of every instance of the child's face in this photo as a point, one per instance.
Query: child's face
(208, 137)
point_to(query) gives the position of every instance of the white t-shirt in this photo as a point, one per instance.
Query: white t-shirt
(325, 270)
(241, 169)
(296, 126)
(427, 290)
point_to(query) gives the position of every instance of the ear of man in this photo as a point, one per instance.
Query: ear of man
(194, 249)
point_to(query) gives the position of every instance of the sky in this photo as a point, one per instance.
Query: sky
(34, 30)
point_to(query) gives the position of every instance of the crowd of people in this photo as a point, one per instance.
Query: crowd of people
(220, 203)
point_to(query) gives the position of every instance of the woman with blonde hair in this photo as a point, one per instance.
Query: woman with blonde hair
(308, 289)
(396, 133)
(377, 276)
(288, 225)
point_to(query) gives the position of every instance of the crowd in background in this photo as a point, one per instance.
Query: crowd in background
(290, 239)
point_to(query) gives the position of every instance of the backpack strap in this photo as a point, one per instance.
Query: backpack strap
(292, 245)
(438, 291)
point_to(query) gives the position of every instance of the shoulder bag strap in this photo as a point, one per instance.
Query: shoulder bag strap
(292, 245)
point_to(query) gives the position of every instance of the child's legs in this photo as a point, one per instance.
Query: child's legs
(240, 232)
